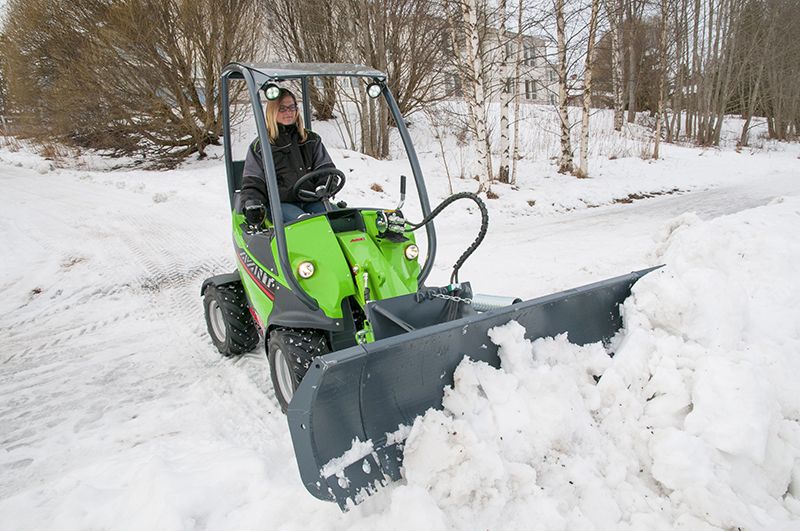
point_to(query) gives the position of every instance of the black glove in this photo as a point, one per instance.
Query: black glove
(254, 213)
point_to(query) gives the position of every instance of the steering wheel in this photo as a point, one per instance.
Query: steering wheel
(333, 184)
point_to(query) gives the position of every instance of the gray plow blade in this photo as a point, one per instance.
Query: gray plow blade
(366, 392)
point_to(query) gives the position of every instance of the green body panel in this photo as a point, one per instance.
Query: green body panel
(390, 273)
(313, 240)
(259, 302)
(340, 261)
(407, 270)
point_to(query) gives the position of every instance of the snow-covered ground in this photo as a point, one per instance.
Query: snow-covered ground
(116, 412)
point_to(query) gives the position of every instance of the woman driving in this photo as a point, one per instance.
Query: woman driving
(296, 151)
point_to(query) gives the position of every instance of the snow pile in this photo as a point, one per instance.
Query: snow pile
(692, 425)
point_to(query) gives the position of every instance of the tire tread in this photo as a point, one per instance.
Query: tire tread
(242, 331)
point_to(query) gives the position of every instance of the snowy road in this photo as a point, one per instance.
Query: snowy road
(111, 391)
(583, 246)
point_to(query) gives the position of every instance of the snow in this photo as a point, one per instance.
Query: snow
(358, 450)
(693, 420)
(116, 412)
(398, 436)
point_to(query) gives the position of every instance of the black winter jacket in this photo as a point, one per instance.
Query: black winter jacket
(292, 159)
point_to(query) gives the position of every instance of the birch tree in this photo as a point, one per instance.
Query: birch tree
(517, 66)
(468, 30)
(565, 161)
(583, 170)
(506, 89)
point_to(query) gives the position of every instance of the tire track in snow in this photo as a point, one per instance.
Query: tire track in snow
(73, 356)
(79, 363)
(174, 271)
(73, 300)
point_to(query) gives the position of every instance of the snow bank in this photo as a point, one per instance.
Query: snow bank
(692, 425)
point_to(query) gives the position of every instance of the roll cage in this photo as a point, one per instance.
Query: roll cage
(256, 76)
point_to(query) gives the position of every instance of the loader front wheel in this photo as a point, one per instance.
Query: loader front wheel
(290, 351)
(228, 319)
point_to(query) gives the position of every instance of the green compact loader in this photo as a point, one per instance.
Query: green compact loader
(357, 344)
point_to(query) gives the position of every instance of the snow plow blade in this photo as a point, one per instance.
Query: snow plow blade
(365, 393)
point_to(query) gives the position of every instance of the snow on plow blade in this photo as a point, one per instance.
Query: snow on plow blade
(344, 417)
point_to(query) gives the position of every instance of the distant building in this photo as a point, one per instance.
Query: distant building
(537, 82)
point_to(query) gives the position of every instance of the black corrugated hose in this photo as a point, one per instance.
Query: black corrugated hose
(481, 233)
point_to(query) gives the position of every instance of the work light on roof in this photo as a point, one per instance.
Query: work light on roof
(272, 91)
(374, 90)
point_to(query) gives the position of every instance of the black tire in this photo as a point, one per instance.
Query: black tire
(228, 319)
(290, 352)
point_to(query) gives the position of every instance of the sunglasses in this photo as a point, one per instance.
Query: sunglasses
(287, 108)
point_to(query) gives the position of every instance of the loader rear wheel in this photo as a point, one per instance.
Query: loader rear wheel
(228, 318)
(290, 351)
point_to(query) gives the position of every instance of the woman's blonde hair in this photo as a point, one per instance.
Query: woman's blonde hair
(271, 114)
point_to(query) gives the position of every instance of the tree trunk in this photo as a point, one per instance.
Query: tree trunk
(691, 112)
(614, 13)
(711, 78)
(517, 63)
(662, 62)
(631, 83)
(681, 36)
(565, 164)
(583, 171)
(503, 172)
(730, 31)
(632, 60)
(478, 104)
(470, 66)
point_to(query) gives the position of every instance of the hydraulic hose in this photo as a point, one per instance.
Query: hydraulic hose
(481, 233)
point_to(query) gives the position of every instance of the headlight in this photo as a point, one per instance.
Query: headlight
(272, 91)
(374, 90)
(305, 269)
(412, 252)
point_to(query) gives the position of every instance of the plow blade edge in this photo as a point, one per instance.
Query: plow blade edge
(366, 392)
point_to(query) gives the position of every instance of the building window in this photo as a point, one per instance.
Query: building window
(552, 99)
(530, 89)
(509, 88)
(453, 85)
(529, 55)
(552, 75)
(445, 44)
